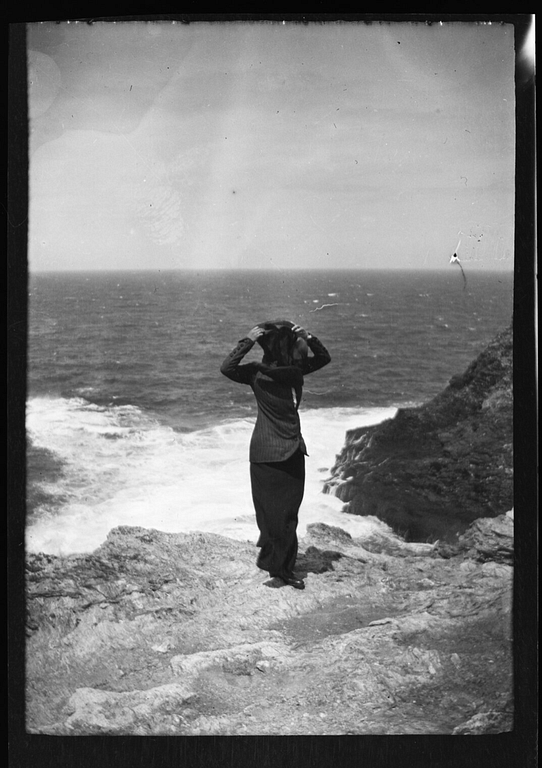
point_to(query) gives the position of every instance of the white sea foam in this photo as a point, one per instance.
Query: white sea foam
(123, 468)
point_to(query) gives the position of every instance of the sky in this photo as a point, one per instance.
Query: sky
(160, 145)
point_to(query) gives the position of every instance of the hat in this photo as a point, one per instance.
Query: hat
(270, 325)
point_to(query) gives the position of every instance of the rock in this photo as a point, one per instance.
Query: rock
(431, 470)
(176, 634)
(485, 722)
(241, 657)
(137, 712)
(486, 539)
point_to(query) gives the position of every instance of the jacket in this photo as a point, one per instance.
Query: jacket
(277, 432)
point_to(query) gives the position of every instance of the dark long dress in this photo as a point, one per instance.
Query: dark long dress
(277, 493)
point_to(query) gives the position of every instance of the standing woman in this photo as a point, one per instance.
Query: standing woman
(277, 449)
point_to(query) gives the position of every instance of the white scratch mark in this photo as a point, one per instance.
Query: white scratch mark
(316, 309)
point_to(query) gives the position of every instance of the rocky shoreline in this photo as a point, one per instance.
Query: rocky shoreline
(157, 634)
(432, 470)
(180, 634)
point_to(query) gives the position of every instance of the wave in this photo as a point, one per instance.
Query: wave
(120, 466)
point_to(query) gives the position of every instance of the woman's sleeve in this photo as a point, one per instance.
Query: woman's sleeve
(320, 356)
(231, 366)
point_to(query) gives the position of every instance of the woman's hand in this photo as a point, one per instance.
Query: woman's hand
(255, 333)
(301, 332)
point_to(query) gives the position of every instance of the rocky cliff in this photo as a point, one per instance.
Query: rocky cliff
(180, 634)
(431, 470)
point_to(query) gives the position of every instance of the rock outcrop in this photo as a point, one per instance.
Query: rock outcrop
(180, 634)
(431, 470)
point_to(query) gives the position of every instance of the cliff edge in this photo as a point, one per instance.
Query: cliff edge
(432, 470)
(180, 634)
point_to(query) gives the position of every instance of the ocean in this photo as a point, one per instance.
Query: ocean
(130, 422)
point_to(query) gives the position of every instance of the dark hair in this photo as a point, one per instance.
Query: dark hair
(278, 345)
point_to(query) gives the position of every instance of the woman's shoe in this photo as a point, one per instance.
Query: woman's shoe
(293, 582)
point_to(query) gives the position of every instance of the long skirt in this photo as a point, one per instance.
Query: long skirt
(277, 493)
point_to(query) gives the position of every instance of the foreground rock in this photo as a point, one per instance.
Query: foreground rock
(157, 633)
(430, 471)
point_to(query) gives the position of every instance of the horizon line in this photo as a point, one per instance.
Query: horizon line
(266, 269)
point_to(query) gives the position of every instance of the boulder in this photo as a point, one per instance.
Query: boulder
(433, 469)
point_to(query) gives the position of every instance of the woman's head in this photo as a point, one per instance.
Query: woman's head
(281, 345)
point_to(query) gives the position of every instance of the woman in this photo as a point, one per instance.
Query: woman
(277, 449)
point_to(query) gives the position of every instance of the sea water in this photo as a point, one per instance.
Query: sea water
(129, 421)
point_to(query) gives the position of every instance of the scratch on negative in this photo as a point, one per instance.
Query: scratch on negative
(323, 307)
